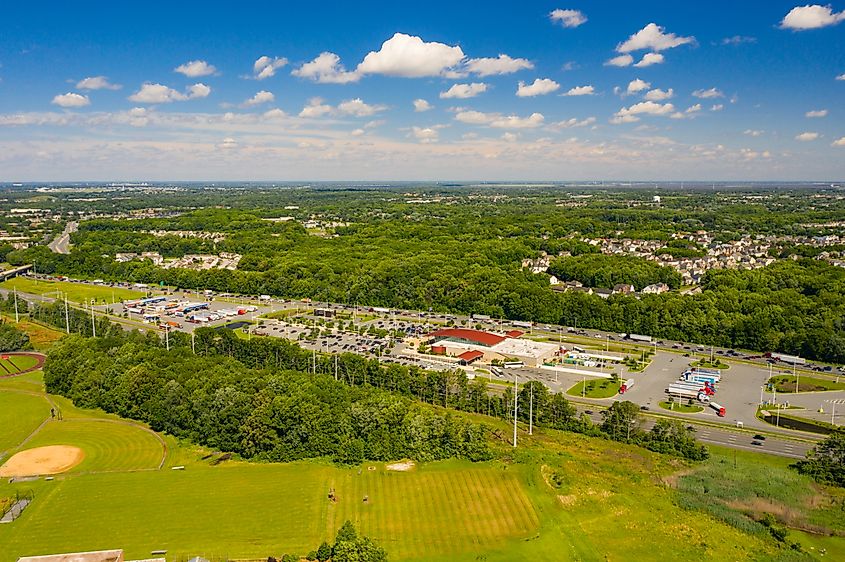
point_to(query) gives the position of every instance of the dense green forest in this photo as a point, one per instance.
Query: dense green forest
(463, 254)
(267, 398)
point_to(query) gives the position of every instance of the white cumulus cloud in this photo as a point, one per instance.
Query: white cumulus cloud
(573, 123)
(96, 83)
(580, 91)
(315, 108)
(71, 99)
(540, 87)
(841, 77)
(159, 93)
(195, 68)
(228, 143)
(503, 64)
(326, 69)
(358, 108)
(260, 97)
(637, 85)
(659, 95)
(816, 113)
(717, 107)
(411, 57)
(839, 142)
(653, 38)
(500, 121)
(463, 91)
(421, 105)
(265, 67)
(568, 18)
(425, 135)
(621, 60)
(813, 16)
(631, 114)
(807, 136)
(752, 132)
(708, 94)
(650, 59)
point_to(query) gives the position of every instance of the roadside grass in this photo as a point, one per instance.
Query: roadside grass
(707, 364)
(597, 388)
(739, 487)
(786, 383)
(20, 414)
(40, 336)
(682, 408)
(76, 292)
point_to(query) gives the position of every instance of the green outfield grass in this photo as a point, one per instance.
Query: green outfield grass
(20, 415)
(596, 388)
(76, 292)
(108, 445)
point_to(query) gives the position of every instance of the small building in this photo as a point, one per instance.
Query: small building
(468, 357)
(655, 289)
(624, 289)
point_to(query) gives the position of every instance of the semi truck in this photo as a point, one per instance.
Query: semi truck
(791, 359)
(626, 386)
(700, 378)
(720, 410)
(682, 392)
(639, 337)
(521, 324)
(703, 387)
(706, 371)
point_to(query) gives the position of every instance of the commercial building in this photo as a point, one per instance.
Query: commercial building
(473, 345)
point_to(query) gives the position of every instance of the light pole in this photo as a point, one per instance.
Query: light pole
(515, 403)
(93, 323)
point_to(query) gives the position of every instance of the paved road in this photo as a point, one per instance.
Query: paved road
(61, 244)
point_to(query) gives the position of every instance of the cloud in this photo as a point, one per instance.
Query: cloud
(573, 123)
(260, 97)
(807, 137)
(568, 18)
(693, 109)
(708, 94)
(816, 113)
(315, 108)
(839, 142)
(503, 64)
(195, 68)
(841, 77)
(409, 56)
(71, 99)
(540, 87)
(463, 91)
(717, 107)
(274, 113)
(631, 114)
(265, 67)
(581, 91)
(97, 83)
(659, 95)
(228, 143)
(510, 137)
(650, 59)
(637, 85)
(621, 60)
(358, 108)
(752, 132)
(425, 135)
(738, 40)
(815, 16)
(497, 120)
(326, 69)
(159, 93)
(421, 105)
(653, 38)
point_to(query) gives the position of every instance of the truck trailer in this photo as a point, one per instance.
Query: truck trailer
(681, 392)
(700, 378)
(720, 410)
(790, 359)
(626, 386)
(706, 371)
(702, 387)
(639, 337)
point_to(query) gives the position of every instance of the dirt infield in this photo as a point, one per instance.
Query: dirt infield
(42, 460)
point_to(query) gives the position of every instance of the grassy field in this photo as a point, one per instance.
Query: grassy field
(597, 388)
(40, 336)
(707, 364)
(76, 292)
(786, 383)
(681, 408)
(20, 415)
(16, 364)
(560, 496)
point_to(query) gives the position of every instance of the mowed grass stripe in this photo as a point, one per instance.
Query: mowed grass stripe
(108, 446)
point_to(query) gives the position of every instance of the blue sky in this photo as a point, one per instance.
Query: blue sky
(533, 90)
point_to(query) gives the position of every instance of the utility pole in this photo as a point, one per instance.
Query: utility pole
(193, 343)
(515, 403)
(17, 319)
(335, 367)
(796, 375)
(167, 337)
(93, 323)
(67, 316)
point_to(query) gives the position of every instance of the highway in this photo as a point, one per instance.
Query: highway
(61, 244)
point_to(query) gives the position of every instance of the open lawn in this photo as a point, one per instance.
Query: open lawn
(560, 496)
(786, 383)
(681, 408)
(14, 364)
(76, 292)
(597, 388)
(40, 336)
(20, 414)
